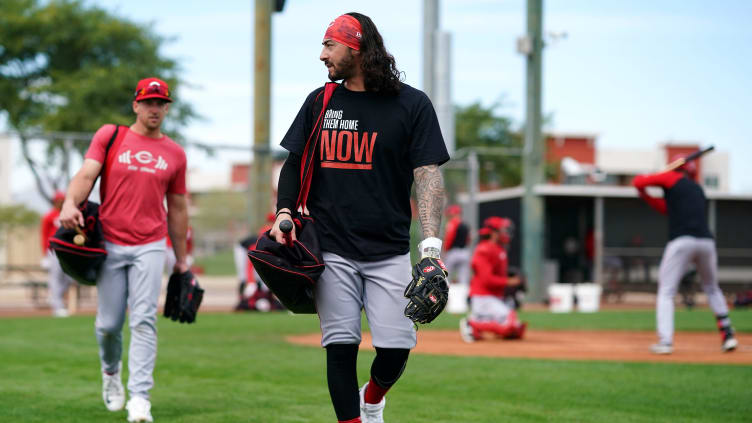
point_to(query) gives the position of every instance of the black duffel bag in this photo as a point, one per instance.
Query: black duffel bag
(291, 271)
(81, 262)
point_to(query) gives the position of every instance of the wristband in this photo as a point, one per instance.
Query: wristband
(430, 247)
(282, 212)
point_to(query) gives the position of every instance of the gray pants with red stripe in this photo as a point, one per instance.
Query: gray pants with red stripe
(131, 277)
(679, 254)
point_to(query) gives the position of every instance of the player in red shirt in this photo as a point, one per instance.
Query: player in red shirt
(488, 310)
(57, 281)
(254, 294)
(690, 241)
(142, 168)
(170, 258)
(456, 243)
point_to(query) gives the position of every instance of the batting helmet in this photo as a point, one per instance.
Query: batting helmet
(689, 167)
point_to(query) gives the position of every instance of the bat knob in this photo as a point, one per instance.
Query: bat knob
(285, 226)
(79, 239)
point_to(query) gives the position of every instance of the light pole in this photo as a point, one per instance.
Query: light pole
(533, 208)
(259, 180)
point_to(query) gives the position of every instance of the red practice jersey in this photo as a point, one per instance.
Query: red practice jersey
(489, 270)
(50, 224)
(141, 172)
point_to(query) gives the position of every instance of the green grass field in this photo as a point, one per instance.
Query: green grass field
(220, 264)
(238, 368)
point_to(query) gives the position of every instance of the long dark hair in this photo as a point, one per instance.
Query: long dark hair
(380, 72)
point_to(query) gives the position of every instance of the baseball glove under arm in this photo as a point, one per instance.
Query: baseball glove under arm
(183, 299)
(428, 291)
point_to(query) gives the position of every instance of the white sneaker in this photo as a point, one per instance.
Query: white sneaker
(113, 393)
(729, 344)
(371, 413)
(662, 349)
(466, 331)
(60, 312)
(139, 410)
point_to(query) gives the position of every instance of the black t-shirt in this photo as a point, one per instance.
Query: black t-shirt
(460, 236)
(368, 148)
(686, 205)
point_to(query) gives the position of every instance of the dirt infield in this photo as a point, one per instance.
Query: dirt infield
(575, 345)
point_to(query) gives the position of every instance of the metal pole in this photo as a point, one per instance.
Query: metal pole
(67, 157)
(533, 214)
(598, 241)
(471, 209)
(258, 183)
(442, 86)
(430, 26)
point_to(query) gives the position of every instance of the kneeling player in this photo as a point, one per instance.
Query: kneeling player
(488, 310)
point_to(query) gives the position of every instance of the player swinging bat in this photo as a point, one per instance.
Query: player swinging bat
(690, 241)
(681, 161)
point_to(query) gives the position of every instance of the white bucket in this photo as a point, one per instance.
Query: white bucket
(588, 297)
(560, 297)
(457, 302)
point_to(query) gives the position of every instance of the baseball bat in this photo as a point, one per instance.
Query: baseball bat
(694, 156)
(286, 227)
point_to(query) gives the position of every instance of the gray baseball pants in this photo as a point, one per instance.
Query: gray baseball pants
(131, 277)
(677, 257)
(457, 262)
(488, 308)
(57, 281)
(348, 286)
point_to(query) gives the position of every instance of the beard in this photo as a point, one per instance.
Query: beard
(343, 69)
(152, 125)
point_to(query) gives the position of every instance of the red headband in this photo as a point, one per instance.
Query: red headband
(345, 30)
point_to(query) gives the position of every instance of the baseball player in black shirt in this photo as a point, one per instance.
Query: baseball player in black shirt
(378, 137)
(690, 241)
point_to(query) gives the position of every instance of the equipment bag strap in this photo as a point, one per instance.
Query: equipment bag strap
(309, 153)
(114, 140)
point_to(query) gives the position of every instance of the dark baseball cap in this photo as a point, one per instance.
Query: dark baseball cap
(152, 88)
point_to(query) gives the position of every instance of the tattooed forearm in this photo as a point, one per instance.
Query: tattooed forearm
(429, 192)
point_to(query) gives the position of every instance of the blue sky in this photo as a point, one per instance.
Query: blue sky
(636, 73)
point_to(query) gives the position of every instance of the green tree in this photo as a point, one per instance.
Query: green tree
(69, 67)
(11, 216)
(498, 143)
(494, 138)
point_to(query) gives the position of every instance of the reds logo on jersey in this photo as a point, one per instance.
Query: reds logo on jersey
(145, 158)
(428, 269)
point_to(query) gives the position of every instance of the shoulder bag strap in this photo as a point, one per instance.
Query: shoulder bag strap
(112, 147)
(309, 153)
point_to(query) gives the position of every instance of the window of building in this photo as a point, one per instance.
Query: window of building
(711, 181)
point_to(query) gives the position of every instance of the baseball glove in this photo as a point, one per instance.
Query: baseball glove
(428, 291)
(183, 299)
